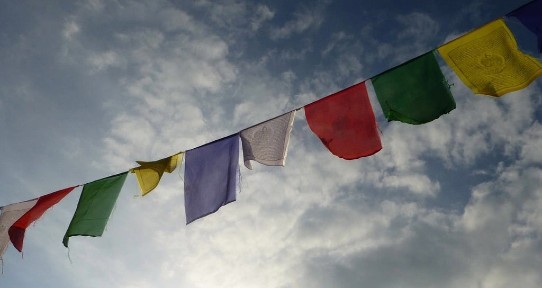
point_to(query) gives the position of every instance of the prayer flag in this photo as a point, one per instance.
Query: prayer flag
(149, 173)
(345, 123)
(530, 15)
(211, 177)
(10, 214)
(267, 142)
(43, 203)
(94, 208)
(489, 62)
(415, 92)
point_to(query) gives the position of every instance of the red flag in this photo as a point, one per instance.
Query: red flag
(345, 123)
(16, 231)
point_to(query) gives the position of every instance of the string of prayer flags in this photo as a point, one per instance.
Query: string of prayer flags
(530, 15)
(415, 92)
(489, 62)
(17, 230)
(211, 177)
(94, 208)
(10, 214)
(148, 174)
(345, 123)
(267, 143)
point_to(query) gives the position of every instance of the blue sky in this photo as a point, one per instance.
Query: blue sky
(88, 87)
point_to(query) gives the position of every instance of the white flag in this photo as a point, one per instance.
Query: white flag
(267, 142)
(10, 214)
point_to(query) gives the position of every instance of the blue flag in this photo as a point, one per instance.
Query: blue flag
(211, 177)
(530, 15)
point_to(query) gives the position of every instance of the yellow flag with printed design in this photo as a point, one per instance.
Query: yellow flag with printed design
(149, 173)
(489, 61)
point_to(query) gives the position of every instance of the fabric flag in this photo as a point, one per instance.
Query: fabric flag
(211, 177)
(10, 214)
(489, 62)
(530, 15)
(267, 143)
(415, 92)
(94, 208)
(345, 123)
(42, 204)
(149, 173)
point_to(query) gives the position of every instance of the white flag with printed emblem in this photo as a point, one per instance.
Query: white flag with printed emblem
(267, 143)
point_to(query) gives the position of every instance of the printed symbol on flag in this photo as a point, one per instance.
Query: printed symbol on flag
(492, 63)
(263, 135)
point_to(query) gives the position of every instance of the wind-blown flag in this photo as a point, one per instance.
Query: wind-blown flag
(94, 208)
(267, 143)
(345, 123)
(149, 173)
(42, 204)
(10, 214)
(530, 15)
(489, 62)
(211, 177)
(415, 92)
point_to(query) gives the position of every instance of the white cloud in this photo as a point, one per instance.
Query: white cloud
(263, 14)
(96, 5)
(308, 18)
(165, 75)
(417, 183)
(502, 220)
(225, 13)
(417, 26)
(177, 20)
(104, 60)
(71, 28)
(336, 38)
(530, 152)
(424, 247)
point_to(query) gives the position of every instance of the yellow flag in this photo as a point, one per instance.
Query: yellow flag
(149, 173)
(489, 62)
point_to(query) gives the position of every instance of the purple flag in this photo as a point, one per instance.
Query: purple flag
(530, 15)
(211, 177)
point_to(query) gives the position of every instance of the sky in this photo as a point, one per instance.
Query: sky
(89, 87)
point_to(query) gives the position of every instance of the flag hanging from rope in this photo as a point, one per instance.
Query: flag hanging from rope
(17, 230)
(415, 92)
(489, 62)
(530, 15)
(211, 177)
(267, 143)
(345, 123)
(94, 208)
(149, 173)
(10, 214)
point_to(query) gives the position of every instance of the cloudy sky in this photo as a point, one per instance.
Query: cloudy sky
(88, 87)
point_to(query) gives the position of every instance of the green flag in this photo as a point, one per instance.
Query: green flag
(94, 207)
(415, 92)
